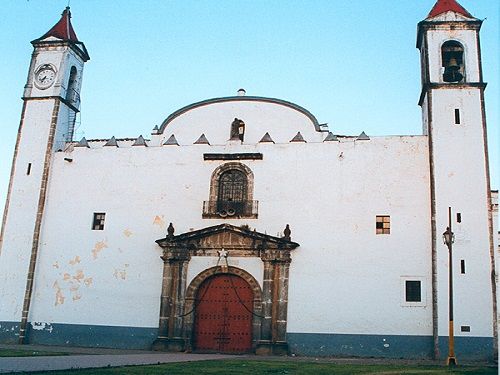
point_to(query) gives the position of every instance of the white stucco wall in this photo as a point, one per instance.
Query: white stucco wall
(18, 231)
(459, 162)
(328, 192)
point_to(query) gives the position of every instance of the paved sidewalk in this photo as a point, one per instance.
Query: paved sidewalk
(80, 361)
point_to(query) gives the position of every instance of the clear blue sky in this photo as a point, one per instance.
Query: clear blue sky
(353, 64)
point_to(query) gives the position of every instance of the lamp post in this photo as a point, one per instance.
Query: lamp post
(448, 239)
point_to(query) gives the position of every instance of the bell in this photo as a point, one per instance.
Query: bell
(452, 64)
(452, 72)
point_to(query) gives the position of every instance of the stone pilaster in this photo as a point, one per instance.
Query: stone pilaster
(175, 263)
(274, 303)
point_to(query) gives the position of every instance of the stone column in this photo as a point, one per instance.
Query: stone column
(280, 306)
(274, 303)
(175, 262)
(267, 302)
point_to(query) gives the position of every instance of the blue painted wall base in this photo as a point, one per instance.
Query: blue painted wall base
(468, 348)
(387, 346)
(304, 344)
(93, 336)
(9, 332)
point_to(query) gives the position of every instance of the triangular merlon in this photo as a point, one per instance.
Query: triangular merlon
(140, 141)
(298, 138)
(266, 138)
(112, 142)
(83, 143)
(330, 137)
(171, 141)
(202, 140)
(363, 137)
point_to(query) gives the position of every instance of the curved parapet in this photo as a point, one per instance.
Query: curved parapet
(260, 115)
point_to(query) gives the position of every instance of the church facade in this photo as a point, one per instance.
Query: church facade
(242, 224)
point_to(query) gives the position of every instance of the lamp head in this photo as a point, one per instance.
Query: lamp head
(448, 237)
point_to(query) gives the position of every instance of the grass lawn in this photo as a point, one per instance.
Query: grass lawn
(26, 353)
(254, 367)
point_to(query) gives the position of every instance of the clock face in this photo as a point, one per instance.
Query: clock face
(45, 76)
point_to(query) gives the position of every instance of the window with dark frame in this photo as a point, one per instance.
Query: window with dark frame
(413, 291)
(383, 224)
(28, 170)
(457, 116)
(98, 222)
(232, 194)
(462, 266)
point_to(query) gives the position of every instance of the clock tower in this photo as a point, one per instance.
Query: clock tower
(51, 103)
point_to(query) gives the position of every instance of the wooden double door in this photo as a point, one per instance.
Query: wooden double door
(223, 315)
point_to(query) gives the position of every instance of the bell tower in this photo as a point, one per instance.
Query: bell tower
(51, 102)
(453, 115)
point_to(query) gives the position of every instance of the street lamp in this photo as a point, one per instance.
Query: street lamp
(448, 239)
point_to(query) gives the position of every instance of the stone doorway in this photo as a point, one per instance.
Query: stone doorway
(178, 301)
(223, 315)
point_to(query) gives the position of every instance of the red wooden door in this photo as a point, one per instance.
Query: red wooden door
(223, 321)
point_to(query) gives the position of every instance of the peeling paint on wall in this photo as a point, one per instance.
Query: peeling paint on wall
(99, 246)
(159, 221)
(59, 295)
(42, 326)
(56, 265)
(72, 284)
(127, 233)
(120, 274)
(79, 275)
(74, 287)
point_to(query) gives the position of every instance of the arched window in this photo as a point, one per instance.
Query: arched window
(231, 193)
(452, 56)
(71, 92)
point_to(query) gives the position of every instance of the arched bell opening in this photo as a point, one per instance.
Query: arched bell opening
(71, 92)
(452, 57)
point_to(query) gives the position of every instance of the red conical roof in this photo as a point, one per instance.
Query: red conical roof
(443, 6)
(63, 29)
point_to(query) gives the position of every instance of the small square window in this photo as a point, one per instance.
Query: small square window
(98, 223)
(413, 290)
(383, 225)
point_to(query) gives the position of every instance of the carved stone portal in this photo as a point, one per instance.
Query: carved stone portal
(270, 301)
